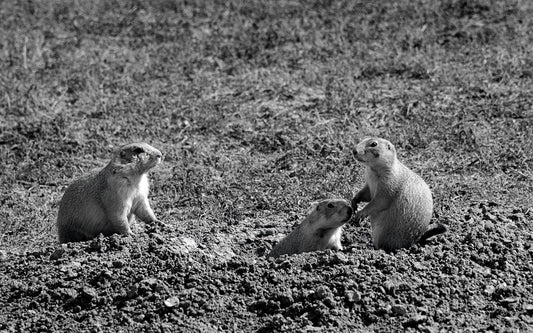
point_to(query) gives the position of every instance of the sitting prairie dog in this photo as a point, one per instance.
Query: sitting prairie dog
(400, 202)
(106, 201)
(320, 230)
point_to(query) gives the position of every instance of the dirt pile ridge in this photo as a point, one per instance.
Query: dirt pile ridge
(477, 277)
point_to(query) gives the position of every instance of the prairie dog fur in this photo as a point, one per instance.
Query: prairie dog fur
(106, 201)
(400, 202)
(320, 230)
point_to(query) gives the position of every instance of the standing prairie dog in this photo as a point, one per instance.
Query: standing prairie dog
(106, 201)
(400, 202)
(320, 230)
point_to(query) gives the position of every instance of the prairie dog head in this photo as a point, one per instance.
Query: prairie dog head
(329, 214)
(376, 153)
(135, 158)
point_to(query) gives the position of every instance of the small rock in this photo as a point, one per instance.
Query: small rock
(187, 243)
(158, 238)
(330, 302)
(70, 293)
(58, 253)
(150, 281)
(132, 292)
(529, 308)
(352, 296)
(98, 244)
(308, 266)
(223, 253)
(488, 225)
(118, 263)
(399, 310)
(286, 299)
(69, 266)
(422, 310)
(390, 287)
(489, 290)
(90, 292)
(490, 217)
(419, 267)
(509, 300)
(339, 258)
(172, 302)
(323, 292)
(370, 318)
(282, 261)
(268, 232)
(428, 329)
(3, 256)
(414, 321)
(382, 309)
(70, 269)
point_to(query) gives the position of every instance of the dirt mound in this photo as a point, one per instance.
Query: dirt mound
(477, 276)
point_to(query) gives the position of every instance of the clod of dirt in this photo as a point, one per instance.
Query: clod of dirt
(172, 302)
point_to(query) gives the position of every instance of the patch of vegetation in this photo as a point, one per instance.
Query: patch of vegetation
(258, 104)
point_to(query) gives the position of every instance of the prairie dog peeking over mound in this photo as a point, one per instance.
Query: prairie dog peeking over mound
(320, 230)
(106, 201)
(400, 202)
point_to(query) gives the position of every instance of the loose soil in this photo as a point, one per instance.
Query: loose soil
(256, 106)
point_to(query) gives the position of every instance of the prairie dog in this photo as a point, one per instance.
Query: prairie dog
(320, 230)
(106, 201)
(400, 202)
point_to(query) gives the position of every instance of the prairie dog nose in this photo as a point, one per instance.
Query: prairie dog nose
(358, 151)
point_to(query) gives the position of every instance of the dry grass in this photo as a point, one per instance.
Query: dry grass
(257, 105)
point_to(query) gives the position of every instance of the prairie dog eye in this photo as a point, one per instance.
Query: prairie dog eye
(373, 144)
(330, 205)
(138, 150)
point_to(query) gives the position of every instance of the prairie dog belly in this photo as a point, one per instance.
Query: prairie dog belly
(400, 203)
(402, 224)
(334, 242)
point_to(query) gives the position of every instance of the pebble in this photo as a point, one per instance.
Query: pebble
(339, 258)
(118, 263)
(414, 321)
(399, 310)
(323, 292)
(510, 300)
(390, 287)
(308, 266)
(352, 296)
(158, 238)
(172, 302)
(58, 253)
(419, 267)
(90, 292)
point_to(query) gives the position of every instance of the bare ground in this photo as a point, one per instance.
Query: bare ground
(256, 107)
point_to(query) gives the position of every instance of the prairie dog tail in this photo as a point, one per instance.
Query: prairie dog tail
(433, 229)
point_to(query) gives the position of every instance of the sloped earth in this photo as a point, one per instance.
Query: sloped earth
(477, 277)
